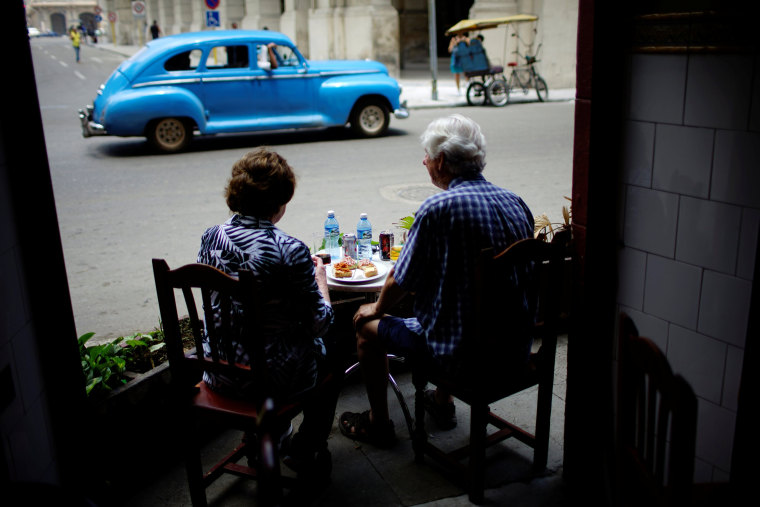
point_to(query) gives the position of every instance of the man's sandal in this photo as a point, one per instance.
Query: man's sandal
(444, 416)
(357, 426)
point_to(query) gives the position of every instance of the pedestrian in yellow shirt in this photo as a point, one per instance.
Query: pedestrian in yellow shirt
(75, 39)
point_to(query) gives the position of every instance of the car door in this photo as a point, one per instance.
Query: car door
(285, 91)
(229, 88)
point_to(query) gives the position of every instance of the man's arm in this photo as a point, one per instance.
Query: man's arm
(390, 294)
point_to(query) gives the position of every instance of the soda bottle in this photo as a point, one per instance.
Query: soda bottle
(332, 234)
(364, 238)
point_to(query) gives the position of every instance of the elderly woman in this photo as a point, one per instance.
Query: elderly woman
(437, 264)
(297, 307)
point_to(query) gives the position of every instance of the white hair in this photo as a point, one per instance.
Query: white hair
(460, 141)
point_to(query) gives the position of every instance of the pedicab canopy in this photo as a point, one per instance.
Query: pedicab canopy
(469, 25)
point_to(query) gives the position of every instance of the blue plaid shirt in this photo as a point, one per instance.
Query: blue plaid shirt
(438, 261)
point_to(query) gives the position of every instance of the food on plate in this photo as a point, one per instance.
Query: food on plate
(346, 263)
(342, 271)
(369, 270)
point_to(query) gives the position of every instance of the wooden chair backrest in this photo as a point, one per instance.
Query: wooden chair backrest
(529, 270)
(237, 318)
(657, 423)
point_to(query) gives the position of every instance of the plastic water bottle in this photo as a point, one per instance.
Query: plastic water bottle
(364, 237)
(332, 234)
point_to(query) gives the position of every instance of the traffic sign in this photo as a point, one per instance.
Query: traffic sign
(138, 9)
(112, 17)
(212, 19)
(212, 4)
(97, 10)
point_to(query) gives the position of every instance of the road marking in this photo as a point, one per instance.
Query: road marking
(96, 59)
(80, 75)
(64, 64)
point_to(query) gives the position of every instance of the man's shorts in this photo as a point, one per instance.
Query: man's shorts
(399, 339)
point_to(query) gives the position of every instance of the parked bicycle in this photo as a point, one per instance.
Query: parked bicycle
(526, 77)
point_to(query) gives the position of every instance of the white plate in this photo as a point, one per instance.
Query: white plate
(357, 274)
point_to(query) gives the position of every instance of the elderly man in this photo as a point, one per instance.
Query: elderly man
(437, 265)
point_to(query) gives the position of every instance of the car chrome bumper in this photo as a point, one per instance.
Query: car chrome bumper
(402, 112)
(89, 127)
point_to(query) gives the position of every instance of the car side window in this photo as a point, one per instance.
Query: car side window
(285, 56)
(187, 60)
(228, 57)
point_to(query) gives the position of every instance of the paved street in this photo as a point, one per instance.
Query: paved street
(120, 204)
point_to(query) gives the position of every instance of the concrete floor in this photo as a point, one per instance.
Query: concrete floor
(363, 475)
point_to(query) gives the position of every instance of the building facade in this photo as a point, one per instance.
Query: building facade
(395, 32)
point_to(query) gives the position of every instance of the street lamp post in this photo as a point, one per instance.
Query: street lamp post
(433, 50)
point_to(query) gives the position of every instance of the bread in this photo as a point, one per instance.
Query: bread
(369, 270)
(341, 272)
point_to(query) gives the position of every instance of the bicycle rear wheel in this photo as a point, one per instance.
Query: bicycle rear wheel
(541, 89)
(498, 92)
(476, 94)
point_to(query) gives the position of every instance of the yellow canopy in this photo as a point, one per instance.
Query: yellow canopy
(468, 25)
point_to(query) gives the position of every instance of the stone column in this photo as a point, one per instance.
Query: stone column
(260, 14)
(295, 23)
(168, 16)
(321, 29)
(372, 31)
(499, 43)
(235, 13)
(186, 15)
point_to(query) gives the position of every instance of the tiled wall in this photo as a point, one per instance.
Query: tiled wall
(24, 431)
(689, 224)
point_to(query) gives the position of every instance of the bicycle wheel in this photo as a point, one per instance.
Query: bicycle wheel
(476, 94)
(541, 89)
(498, 92)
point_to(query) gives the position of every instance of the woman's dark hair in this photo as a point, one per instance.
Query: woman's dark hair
(261, 182)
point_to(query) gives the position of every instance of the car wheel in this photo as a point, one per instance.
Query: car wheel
(170, 135)
(370, 119)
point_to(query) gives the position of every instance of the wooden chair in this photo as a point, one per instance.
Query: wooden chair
(486, 384)
(656, 425)
(258, 418)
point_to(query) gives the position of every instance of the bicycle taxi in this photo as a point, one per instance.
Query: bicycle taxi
(488, 83)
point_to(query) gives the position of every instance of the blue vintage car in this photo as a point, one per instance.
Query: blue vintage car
(237, 81)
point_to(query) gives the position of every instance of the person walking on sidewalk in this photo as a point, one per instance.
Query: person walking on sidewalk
(155, 31)
(75, 41)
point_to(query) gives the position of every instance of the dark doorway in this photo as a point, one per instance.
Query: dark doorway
(447, 14)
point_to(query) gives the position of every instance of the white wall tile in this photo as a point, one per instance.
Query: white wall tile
(718, 91)
(654, 328)
(638, 150)
(699, 359)
(708, 234)
(657, 88)
(650, 220)
(715, 434)
(29, 444)
(632, 268)
(745, 263)
(734, 363)
(724, 307)
(671, 291)
(683, 159)
(736, 178)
